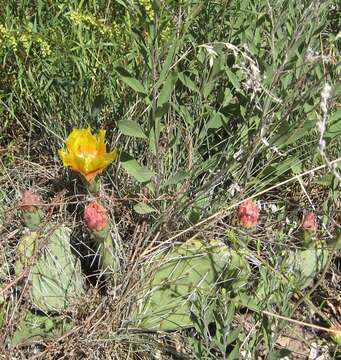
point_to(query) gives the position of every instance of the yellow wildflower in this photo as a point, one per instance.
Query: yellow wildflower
(86, 153)
(44, 47)
(148, 7)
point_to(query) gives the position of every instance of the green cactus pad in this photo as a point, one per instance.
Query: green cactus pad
(190, 271)
(55, 276)
(105, 244)
(34, 328)
(32, 218)
(304, 265)
(25, 250)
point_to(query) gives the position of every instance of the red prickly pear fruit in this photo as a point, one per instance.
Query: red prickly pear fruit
(95, 217)
(248, 214)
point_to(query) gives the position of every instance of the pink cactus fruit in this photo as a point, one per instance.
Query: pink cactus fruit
(31, 211)
(309, 222)
(29, 200)
(248, 214)
(95, 216)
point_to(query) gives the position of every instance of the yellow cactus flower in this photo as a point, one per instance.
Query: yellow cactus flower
(86, 153)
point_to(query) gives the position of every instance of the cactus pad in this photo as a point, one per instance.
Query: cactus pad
(179, 278)
(34, 328)
(55, 276)
(304, 265)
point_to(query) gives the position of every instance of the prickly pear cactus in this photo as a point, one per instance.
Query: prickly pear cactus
(55, 276)
(31, 211)
(25, 250)
(105, 249)
(304, 265)
(32, 219)
(39, 327)
(190, 271)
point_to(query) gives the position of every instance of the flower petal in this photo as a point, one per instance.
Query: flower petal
(68, 159)
(112, 156)
(86, 153)
(81, 141)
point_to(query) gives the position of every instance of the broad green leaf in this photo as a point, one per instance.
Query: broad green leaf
(179, 177)
(297, 168)
(140, 173)
(208, 87)
(161, 110)
(168, 62)
(157, 5)
(217, 120)
(184, 114)
(235, 353)
(167, 89)
(335, 128)
(131, 128)
(188, 82)
(287, 135)
(233, 78)
(233, 335)
(152, 146)
(134, 84)
(130, 81)
(142, 208)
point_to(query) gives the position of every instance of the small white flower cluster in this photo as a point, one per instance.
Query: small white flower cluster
(234, 189)
(326, 96)
(212, 54)
(244, 62)
(250, 69)
(238, 155)
(313, 56)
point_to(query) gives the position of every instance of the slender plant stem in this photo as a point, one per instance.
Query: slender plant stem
(154, 106)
